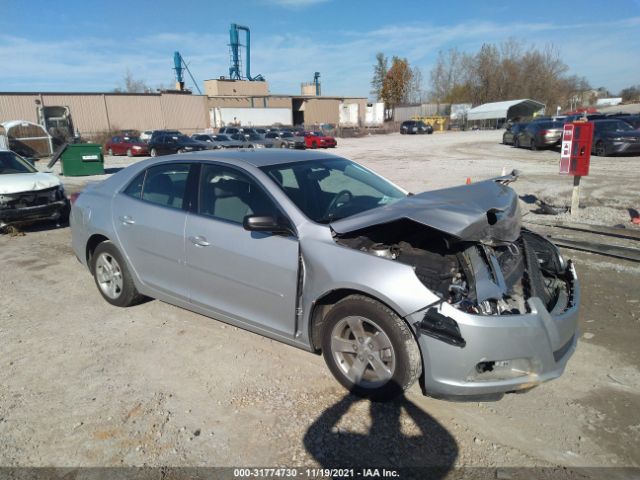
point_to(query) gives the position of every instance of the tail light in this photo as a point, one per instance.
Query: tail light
(73, 197)
(544, 132)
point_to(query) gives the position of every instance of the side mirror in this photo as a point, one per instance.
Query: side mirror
(266, 223)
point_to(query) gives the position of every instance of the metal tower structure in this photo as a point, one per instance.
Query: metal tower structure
(235, 68)
(179, 66)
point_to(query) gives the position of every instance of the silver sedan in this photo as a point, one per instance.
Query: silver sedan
(321, 253)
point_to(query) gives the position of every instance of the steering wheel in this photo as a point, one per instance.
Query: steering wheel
(336, 201)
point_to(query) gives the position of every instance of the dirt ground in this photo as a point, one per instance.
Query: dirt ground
(83, 383)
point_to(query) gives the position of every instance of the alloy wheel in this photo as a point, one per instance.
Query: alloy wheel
(363, 351)
(109, 275)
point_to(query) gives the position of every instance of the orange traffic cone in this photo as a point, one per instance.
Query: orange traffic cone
(468, 180)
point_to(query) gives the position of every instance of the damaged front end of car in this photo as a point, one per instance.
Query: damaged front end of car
(506, 317)
(31, 206)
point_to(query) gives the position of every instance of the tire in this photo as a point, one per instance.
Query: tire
(396, 352)
(129, 152)
(110, 152)
(533, 145)
(153, 152)
(314, 145)
(180, 151)
(601, 150)
(516, 142)
(115, 286)
(283, 145)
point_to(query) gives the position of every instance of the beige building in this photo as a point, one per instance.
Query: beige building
(225, 100)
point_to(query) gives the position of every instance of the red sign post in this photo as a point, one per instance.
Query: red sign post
(575, 155)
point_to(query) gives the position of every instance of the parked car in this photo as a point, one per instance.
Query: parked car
(538, 135)
(253, 140)
(415, 126)
(156, 133)
(633, 120)
(285, 140)
(580, 116)
(27, 195)
(225, 141)
(613, 137)
(319, 140)
(168, 143)
(230, 130)
(129, 146)
(511, 131)
(323, 254)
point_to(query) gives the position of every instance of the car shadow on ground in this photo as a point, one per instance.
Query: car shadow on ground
(413, 441)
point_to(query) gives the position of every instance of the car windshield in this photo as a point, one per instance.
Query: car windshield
(132, 139)
(334, 188)
(286, 134)
(13, 163)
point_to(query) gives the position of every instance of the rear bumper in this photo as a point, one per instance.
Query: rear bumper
(526, 350)
(50, 211)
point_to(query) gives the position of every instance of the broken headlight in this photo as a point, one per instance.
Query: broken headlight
(5, 199)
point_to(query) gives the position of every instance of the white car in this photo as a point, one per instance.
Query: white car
(27, 195)
(146, 135)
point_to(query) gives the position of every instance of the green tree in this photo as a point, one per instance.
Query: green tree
(379, 72)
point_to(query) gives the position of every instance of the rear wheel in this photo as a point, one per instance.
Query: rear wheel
(129, 152)
(153, 152)
(516, 142)
(533, 145)
(112, 276)
(369, 349)
(601, 150)
(314, 145)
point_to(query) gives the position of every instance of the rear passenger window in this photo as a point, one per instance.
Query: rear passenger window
(135, 187)
(165, 185)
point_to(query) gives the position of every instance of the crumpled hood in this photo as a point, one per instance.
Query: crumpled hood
(27, 182)
(486, 212)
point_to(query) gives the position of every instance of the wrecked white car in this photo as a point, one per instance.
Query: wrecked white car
(319, 252)
(27, 195)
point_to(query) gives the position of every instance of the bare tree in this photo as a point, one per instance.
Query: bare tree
(415, 92)
(630, 94)
(131, 85)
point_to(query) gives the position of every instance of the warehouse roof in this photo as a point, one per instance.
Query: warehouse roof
(508, 109)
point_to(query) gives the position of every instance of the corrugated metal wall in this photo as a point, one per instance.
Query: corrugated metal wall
(88, 112)
(187, 113)
(134, 112)
(317, 111)
(18, 107)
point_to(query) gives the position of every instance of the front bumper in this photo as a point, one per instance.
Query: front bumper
(538, 343)
(623, 147)
(50, 211)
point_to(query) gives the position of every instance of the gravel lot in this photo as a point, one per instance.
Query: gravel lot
(87, 384)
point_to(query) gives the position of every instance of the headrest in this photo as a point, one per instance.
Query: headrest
(230, 188)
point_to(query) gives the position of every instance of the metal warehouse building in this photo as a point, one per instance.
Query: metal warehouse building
(224, 102)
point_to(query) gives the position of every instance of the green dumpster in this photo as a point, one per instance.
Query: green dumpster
(80, 159)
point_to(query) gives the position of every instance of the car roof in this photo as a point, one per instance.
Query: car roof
(259, 158)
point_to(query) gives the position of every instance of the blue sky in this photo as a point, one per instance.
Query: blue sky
(74, 45)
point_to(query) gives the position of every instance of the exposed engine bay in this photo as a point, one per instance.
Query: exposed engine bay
(487, 279)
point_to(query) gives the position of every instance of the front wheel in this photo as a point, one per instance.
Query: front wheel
(516, 142)
(110, 152)
(129, 152)
(369, 349)
(533, 145)
(154, 152)
(112, 276)
(601, 150)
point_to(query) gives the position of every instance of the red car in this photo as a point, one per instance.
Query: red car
(123, 145)
(319, 140)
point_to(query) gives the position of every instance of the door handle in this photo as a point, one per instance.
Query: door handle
(199, 241)
(127, 220)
